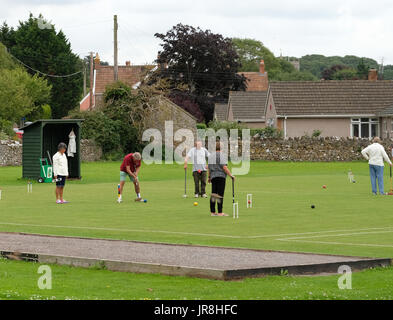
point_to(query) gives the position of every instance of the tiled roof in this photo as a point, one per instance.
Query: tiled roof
(249, 105)
(331, 97)
(220, 111)
(386, 112)
(127, 74)
(256, 81)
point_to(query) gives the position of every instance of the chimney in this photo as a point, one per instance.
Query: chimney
(262, 66)
(128, 63)
(372, 75)
(97, 61)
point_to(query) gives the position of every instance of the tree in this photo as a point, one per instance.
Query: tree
(328, 73)
(207, 63)
(49, 52)
(362, 70)
(21, 95)
(251, 52)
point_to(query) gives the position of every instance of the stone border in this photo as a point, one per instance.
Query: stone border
(226, 275)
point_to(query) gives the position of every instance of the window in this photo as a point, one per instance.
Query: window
(365, 127)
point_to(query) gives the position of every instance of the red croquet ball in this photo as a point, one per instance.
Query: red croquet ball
(324, 187)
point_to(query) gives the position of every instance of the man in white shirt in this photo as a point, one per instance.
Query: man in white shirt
(60, 172)
(376, 154)
(198, 155)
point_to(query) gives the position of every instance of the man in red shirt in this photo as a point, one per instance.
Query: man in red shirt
(130, 167)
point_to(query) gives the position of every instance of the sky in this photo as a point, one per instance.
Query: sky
(291, 27)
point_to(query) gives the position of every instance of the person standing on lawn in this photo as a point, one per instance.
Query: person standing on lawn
(198, 155)
(376, 154)
(130, 168)
(218, 171)
(60, 171)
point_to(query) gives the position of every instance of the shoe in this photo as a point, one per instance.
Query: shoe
(65, 201)
(213, 214)
(204, 195)
(222, 215)
(58, 202)
(138, 200)
(196, 195)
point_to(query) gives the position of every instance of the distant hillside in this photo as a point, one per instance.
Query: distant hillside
(316, 63)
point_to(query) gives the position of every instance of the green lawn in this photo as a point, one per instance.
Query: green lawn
(347, 220)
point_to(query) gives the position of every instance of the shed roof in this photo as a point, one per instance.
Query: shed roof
(54, 121)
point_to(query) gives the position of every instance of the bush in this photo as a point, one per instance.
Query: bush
(116, 91)
(100, 128)
(316, 133)
(201, 126)
(226, 125)
(267, 133)
(6, 128)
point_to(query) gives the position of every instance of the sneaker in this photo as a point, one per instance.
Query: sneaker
(58, 202)
(213, 214)
(138, 200)
(65, 201)
(222, 215)
(204, 195)
(196, 195)
(119, 200)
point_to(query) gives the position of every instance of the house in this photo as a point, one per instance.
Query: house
(257, 81)
(350, 108)
(131, 75)
(244, 106)
(353, 108)
(247, 107)
(220, 111)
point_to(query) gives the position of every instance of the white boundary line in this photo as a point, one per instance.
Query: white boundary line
(318, 233)
(302, 239)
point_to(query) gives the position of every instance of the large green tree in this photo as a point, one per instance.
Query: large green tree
(38, 45)
(21, 95)
(251, 52)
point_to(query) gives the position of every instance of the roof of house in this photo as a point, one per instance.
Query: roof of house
(249, 105)
(352, 97)
(130, 75)
(386, 112)
(256, 81)
(220, 111)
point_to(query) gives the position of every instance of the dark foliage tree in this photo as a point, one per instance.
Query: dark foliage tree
(328, 74)
(207, 63)
(188, 102)
(38, 45)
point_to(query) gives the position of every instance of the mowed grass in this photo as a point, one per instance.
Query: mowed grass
(346, 220)
(18, 280)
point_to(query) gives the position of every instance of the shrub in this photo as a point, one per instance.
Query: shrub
(226, 125)
(267, 133)
(116, 91)
(201, 126)
(316, 133)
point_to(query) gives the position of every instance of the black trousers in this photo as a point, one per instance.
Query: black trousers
(200, 179)
(218, 187)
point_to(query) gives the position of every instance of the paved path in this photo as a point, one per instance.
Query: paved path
(162, 254)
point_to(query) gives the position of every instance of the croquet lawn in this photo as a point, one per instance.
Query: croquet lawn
(347, 220)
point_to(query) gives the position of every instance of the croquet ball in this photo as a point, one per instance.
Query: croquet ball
(249, 201)
(354, 181)
(195, 204)
(312, 207)
(145, 200)
(324, 187)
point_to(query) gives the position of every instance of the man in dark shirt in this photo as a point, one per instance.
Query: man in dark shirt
(130, 167)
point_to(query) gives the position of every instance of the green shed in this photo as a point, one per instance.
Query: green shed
(45, 135)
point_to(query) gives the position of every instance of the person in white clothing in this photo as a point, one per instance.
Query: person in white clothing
(376, 155)
(198, 155)
(60, 172)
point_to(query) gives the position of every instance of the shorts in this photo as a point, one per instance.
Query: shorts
(123, 176)
(60, 182)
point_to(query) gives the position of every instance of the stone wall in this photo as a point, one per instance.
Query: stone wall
(11, 152)
(311, 149)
